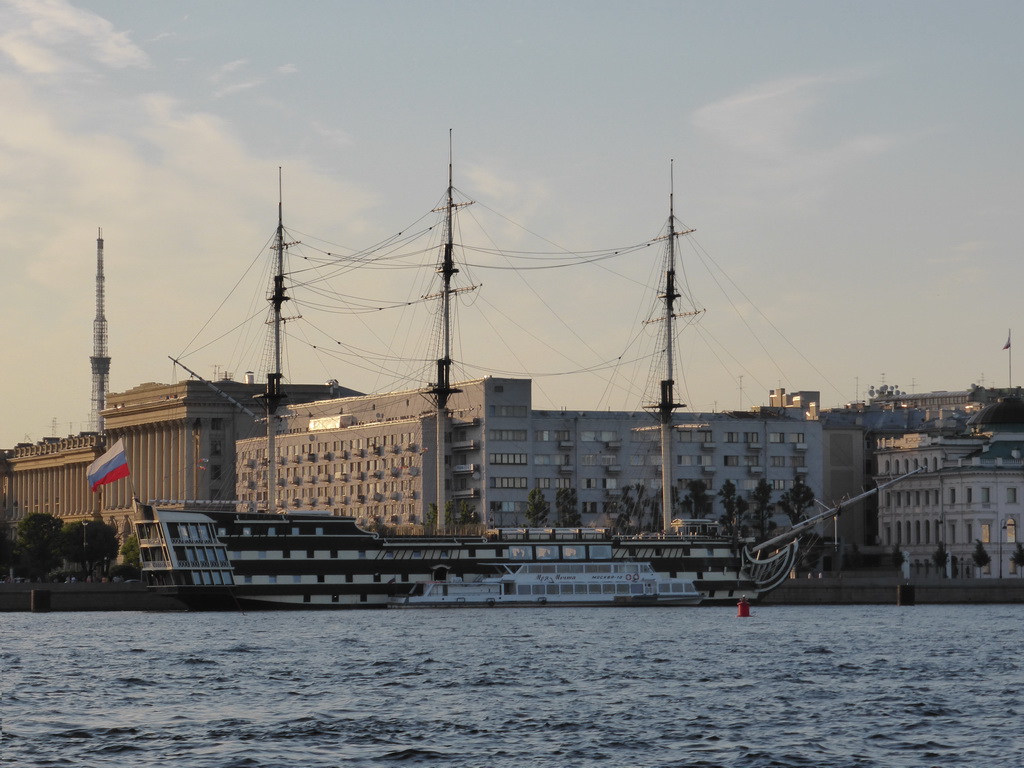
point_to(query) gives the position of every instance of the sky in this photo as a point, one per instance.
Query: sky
(853, 172)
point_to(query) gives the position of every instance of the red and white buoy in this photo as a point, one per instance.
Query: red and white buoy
(743, 608)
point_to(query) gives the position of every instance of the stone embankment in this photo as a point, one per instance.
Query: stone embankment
(41, 597)
(889, 590)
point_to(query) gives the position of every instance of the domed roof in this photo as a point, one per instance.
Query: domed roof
(1008, 412)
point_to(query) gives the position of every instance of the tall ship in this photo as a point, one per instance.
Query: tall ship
(248, 554)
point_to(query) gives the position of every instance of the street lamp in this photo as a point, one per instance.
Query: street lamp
(85, 561)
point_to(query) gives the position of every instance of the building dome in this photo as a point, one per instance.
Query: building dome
(1006, 414)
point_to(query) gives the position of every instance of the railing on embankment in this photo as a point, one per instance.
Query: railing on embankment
(884, 590)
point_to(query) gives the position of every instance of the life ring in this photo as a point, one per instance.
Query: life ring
(542, 600)
(490, 602)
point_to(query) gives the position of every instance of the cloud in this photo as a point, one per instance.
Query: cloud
(785, 137)
(52, 37)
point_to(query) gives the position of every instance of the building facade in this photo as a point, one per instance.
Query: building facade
(968, 492)
(372, 457)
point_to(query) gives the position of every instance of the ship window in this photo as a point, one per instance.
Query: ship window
(295, 530)
(228, 579)
(520, 553)
(320, 578)
(547, 553)
(217, 578)
(305, 598)
(319, 531)
(309, 554)
(348, 578)
(246, 531)
(262, 554)
(362, 554)
(334, 598)
(222, 531)
(296, 579)
(573, 553)
(594, 589)
(286, 554)
(271, 531)
(601, 551)
(247, 579)
(580, 589)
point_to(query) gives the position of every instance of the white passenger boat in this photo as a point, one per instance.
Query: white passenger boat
(573, 584)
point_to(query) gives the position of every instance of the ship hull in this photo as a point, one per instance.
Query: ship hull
(224, 560)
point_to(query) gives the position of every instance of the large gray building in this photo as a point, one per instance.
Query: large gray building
(373, 456)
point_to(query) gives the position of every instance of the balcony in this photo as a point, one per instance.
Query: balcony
(466, 493)
(755, 470)
(462, 469)
(566, 469)
(708, 446)
(799, 446)
(464, 445)
(614, 445)
(708, 468)
(613, 469)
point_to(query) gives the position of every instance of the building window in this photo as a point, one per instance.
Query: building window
(776, 437)
(986, 533)
(753, 438)
(1011, 495)
(1011, 531)
(970, 494)
(508, 458)
(732, 437)
(732, 461)
(952, 495)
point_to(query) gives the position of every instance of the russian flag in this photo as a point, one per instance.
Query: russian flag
(111, 466)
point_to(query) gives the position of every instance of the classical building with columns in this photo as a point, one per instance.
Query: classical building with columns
(180, 442)
(969, 490)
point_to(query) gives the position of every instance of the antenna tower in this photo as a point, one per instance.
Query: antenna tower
(100, 359)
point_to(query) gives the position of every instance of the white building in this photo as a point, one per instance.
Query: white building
(969, 491)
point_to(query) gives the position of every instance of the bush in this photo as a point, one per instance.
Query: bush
(125, 572)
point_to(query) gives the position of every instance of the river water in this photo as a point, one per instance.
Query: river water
(825, 687)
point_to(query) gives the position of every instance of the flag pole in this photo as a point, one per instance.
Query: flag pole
(1009, 358)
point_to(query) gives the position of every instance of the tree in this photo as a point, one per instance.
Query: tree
(735, 508)
(939, 557)
(467, 514)
(37, 538)
(88, 542)
(697, 502)
(537, 509)
(567, 513)
(796, 500)
(897, 557)
(130, 554)
(980, 556)
(762, 508)
(1017, 558)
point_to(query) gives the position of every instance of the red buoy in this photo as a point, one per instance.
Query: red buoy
(743, 608)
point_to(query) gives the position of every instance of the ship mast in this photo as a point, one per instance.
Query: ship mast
(665, 407)
(443, 390)
(274, 395)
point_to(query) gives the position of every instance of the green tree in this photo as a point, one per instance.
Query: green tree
(897, 557)
(735, 509)
(761, 510)
(567, 511)
(88, 542)
(697, 502)
(939, 557)
(537, 509)
(980, 556)
(796, 500)
(37, 541)
(1017, 558)
(467, 514)
(130, 553)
